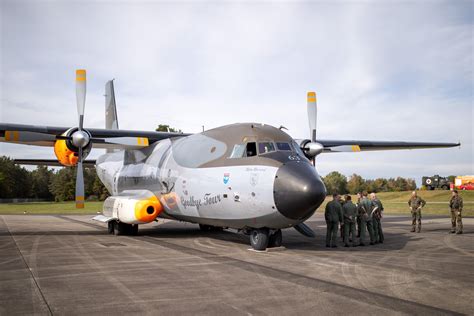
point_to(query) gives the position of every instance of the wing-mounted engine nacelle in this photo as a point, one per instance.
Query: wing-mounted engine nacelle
(133, 207)
(67, 150)
(309, 148)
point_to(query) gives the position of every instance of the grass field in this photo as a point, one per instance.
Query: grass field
(394, 203)
(437, 202)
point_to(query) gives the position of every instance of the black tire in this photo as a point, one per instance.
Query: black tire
(216, 229)
(428, 187)
(134, 230)
(275, 240)
(117, 231)
(110, 227)
(121, 229)
(445, 187)
(259, 238)
(205, 228)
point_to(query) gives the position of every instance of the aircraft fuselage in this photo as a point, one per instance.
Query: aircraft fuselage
(238, 176)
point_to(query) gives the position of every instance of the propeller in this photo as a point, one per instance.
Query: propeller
(312, 148)
(80, 138)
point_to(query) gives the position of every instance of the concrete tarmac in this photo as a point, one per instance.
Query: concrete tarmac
(69, 265)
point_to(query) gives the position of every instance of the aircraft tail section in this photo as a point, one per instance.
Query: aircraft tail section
(111, 119)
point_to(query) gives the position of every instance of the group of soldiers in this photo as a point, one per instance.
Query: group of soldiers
(364, 217)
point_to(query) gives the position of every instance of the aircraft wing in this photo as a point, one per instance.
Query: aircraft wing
(367, 145)
(50, 162)
(101, 138)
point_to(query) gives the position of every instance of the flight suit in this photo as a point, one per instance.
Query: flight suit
(377, 209)
(364, 209)
(333, 216)
(456, 205)
(349, 212)
(341, 201)
(416, 203)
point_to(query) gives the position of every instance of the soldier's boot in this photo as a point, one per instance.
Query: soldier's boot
(419, 229)
(413, 228)
(459, 232)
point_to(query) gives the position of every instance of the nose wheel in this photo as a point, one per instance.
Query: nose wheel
(262, 238)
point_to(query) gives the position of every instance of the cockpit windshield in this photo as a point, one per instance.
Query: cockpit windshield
(265, 148)
(249, 149)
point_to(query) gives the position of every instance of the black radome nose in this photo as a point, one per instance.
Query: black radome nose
(298, 190)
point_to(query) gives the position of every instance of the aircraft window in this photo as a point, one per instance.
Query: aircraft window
(283, 146)
(244, 150)
(238, 151)
(266, 147)
(251, 149)
(298, 149)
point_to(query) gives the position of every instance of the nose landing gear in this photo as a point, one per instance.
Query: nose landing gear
(263, 238)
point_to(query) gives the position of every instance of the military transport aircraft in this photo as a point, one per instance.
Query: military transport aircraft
(248, 176)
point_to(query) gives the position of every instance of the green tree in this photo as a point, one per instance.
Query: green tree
(167, 128)
(16, 181)
(355, 184)
(335, 183)
(63, 184)
(41, 178)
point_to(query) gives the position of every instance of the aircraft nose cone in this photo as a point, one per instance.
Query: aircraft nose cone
(298, 191)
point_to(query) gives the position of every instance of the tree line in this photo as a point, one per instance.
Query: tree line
(45, 183)
(338, 183)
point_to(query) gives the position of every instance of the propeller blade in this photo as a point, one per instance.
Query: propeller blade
(80, 95)
(123, 142)
(24, 136)
(312, 115)
(80, 182)
(344, 149)
(304, 229)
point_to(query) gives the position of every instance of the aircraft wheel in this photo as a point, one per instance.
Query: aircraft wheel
(205, 228)
(134, 230)
(110, 227)
(216, 229)
(275, 240)
(121, 228)
(259, 238)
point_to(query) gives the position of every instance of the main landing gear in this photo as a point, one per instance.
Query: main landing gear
(263, 238)
(119, 228)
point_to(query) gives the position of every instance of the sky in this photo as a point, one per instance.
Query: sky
(382, 70)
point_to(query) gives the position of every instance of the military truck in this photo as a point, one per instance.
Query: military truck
(434, 182)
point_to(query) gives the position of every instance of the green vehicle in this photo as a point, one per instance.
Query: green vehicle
(435, 181)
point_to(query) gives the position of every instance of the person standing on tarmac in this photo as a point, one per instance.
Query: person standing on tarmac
(376, 218)
(333, 216)
(416, 203)
(456, 204)
(349, 212)
(366, 224)
(342, 201)
(359, 197)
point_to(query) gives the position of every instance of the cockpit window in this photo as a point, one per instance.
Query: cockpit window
(265, 147)
(283, 146)
(298, 149)
(244, 150)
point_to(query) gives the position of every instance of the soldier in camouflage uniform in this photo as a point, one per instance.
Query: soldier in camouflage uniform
(364, 210)
(333, 216)
(349, 212)
(342, 201)
(359, 197)
(416, 203)
(377, 209)
(455, 204)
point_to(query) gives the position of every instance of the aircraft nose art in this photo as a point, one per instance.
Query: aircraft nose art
(298, 190)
